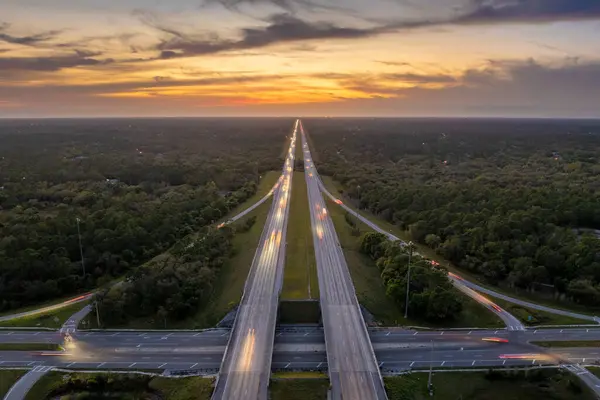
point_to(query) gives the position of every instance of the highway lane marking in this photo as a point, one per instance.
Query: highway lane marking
(318, 366)
(388, 334)
(469, 332)
(68, 365)
(287, 365)
(415, 333)
(503, 362)
(101, 364)
(474, 361)
(442, 333)
(380, 364)
(411, 364)
(193, 365)
(443, 362)
(139, 345)
(533, 362)
(162, 365)
(132, 365)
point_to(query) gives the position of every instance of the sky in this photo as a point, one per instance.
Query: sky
(404, 58)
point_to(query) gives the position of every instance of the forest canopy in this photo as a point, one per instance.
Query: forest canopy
(137, 186)
(516, 202)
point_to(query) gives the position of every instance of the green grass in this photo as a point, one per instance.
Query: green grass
(192, 388)
(29, 346)
(8, 377)
(568, 343)
(370, 289)
(518, 385)
(51, 319)
(269, 179)
(335, 187)
(594, 370)
(300, 264)
(537, 317)
(299, 389)
(136, 386)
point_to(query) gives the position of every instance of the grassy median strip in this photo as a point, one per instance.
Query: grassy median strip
(119, 386)
(567, 343)
(494, 385)
(8, 377)
(29, 346)
(300, 275)
(371, 292)
(298, 389)
(50, 319)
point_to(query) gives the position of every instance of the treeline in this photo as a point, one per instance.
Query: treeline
(431, 295)
(172, 286)
(137, 186)
(516, 202)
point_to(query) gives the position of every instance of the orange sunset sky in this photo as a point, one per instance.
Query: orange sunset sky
(532, 58)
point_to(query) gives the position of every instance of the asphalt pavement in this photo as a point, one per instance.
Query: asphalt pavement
(20, 389)
(246, 367)
(353, 369)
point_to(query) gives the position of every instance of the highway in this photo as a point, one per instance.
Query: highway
(353, 369)
(246, 367)
(395, 349)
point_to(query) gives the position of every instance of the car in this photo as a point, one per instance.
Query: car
(496, 307)
(495, 339)
(338, 201)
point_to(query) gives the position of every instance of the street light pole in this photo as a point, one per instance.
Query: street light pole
(80, 247)
(429, 382)
(410, 246)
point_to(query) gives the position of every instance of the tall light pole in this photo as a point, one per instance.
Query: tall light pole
(410, 249)
(429, 382)
(80, 247)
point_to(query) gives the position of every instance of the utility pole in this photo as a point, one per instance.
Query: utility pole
(80, 246)
(410, 249)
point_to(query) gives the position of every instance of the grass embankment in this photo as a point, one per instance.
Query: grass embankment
(121, 386)
(300, 275)
(266, 183)
(29, 346)
(531, 317)
(518, 385)
(371, 292)
(567, 343)
(299, 389)
(8, 377)
(335, 188)
(50, 319)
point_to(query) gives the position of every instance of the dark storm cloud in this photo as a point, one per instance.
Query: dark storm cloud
(482, 12)
(282, 28)
(51, 63)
